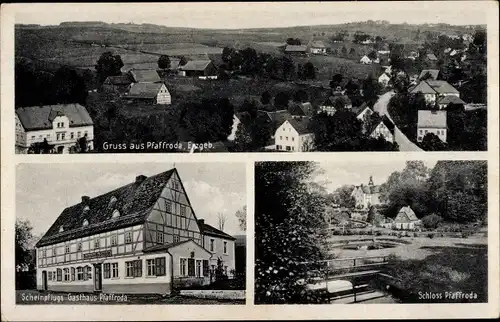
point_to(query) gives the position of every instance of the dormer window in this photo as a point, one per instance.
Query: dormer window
(116, 214)
(85, 223)
(61, 229)
(86, 209)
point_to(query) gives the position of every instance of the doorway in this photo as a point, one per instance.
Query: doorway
(98, 277)
(44, 280)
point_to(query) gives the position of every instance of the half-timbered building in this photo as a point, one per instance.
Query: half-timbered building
(143, 237)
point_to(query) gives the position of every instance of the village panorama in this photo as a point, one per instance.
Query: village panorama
(371, 232)
(360, 86)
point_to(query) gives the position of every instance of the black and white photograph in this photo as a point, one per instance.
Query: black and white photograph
(130, 234)
(371, 232)
(191, 77)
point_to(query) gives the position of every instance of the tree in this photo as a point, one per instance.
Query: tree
(182, 61)
(68, 87)
(431, 142)
(372, 55)
(253, 136)
(41, 147)
(336, 80)
(265, 98)
(343, 198)
(371, 215)
(344, 50)
(221, 220)
(289, 231)
(108, 65)
(82, 144)
(241, 214)
(164, 62)
(227, 52)
(23, 244)
(300, 96)
(281, 100)
(431, 221)
(371, 89)
(309, 72)
(352, 51)
(340, 132)
(293, 41)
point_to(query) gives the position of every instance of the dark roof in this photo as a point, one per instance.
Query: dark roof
(196, 65)
(118, 80)
(295, 48)
(358, 109)
(134, 202)
(442, 87)
(144, 90)
(317, 44)
(300, 125)
(145, 76)
(369, 189)
(208, 230)
(41, 117)
(279, 116)
(451, 99)
(434, 73)
(338, 99)
(386, 122)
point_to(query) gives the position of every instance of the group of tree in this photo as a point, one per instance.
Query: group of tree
(306, 71)
(288, 232)
(339, 36)
(255, 133)
(107, 65)
(359, 37)
(293, 41)
(456, 191)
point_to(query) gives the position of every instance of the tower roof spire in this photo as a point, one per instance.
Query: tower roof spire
(370, 183)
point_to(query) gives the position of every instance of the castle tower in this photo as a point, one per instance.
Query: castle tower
(370, 183)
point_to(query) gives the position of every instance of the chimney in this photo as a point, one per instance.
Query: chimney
(85, 199)
(201, 222)
(140, 178)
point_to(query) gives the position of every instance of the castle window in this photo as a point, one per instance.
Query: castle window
(85, 222)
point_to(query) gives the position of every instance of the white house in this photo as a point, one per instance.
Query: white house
(433, 90)
(61, 125)
(431, 121)
(143, 237)
(384, 79)
(330, 105)
(406, 219)
(317, 47)
(365, 60)
(293, 135)
(384, 128)
(156, 93)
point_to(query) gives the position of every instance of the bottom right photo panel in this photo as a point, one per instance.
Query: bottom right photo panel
(394, 231)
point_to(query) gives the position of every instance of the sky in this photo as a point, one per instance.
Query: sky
(44, 190)
(255, 15)
(332, 175)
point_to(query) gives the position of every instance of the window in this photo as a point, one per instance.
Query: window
(287, 148)
(72, 135)
(128, 237)
(66, 249)
(168, 206)
(97, 243)
(107, 270)
(62, 136)
(130, 269)
(150, 267)
(183, 211)
(225, 247)
(114, 270)
(212, 245)
(66, 274)
(116, 214)
(137, 268)
(176, 185)
(32, 137)
(293, 139)
(205, 268)
(44, 253)
(286, 138)
(59, 274)
(183, 266)
(54, 251)
(79, 134)
(281, 138)
(159, 237)
(191, 268)
(72, 273)
(199, 272)
(79, 247)
(176, 239)
(79, 273)
(85, 223)
(160, 264)
(89, 272)
(49, 276)
(114, 240)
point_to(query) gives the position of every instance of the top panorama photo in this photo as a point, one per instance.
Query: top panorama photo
(139, 85)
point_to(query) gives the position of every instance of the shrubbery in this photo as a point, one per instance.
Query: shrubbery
(431, 221)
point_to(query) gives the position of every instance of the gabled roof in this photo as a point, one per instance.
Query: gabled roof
(317, 44)
(359, 109)
(134, 201)
(338, 99)
(118, 80)
(40, 117)
(442, 87)
(279, 116)
(451, 99)
(434, 73)
(300, 125)
(144, 90)
(432, 119)
(385, 120)
(422, 87)
(431, 57)
(410, 214)
(208, 230)
(196, 65)
(369, 190)
(300, 109)
(295, 48)
(145, 76)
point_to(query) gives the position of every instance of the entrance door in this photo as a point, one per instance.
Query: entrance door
(44, 280)
(98, 277)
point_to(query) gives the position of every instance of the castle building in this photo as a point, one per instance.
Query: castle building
(143, 237)
(366, 196)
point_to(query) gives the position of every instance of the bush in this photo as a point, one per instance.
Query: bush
(431, 221)
(415, 235)
(378, 233)
(465, 235)
(430, 235)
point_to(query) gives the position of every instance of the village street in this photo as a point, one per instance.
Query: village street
(381, 107)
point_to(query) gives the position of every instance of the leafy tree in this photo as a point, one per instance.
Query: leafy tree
(41, 147)
(371, 89)
(431, 142)
(336, 80)
(293, 41)
(164, 62)
(182, 61)
(68, 87)
(352, 51)
(23, 243)
(340, 132)
(265, 98)
(343, 198)
(288, 231)
(281, 100)
(344, 50)
(82, 144)
(253, 136)
(108, 65)
(371, 215)
(241, 214)
(309, 72)
(227, 52)
(431, 221)
(300, 96)
(372, 55)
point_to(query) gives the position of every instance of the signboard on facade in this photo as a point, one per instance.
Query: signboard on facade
(103, 253)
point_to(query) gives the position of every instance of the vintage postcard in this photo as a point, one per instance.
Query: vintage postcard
(140, 173)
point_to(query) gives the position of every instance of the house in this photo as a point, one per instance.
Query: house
(294, 135)
(61, 125)
(299, 50)
(220, 245)
(204, 69)
(238, 118)
(363, 112)
(443, 102)
(156, 93)
(119, 84)
(433, 90)
(144, 76)
(365, 60)
(384, 79)
(384, 128)
(276, 118)
(317, 47)
(332, 103)
(406, 219)
(300, 109)
(429, 74)
(143, 237)
(431, 122)
(431, 57)
(366, 196)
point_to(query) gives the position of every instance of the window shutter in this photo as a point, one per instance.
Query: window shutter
(205, 267)
(160, 266)
(191, 267)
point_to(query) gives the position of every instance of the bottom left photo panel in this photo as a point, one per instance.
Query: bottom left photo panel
(130, 233)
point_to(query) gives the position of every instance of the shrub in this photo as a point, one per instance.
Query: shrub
(465, 235)
(378, 233)
(430, 235)
(431, 221)
(415, 235)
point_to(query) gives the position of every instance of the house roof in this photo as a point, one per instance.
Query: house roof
(196, 65)
(434, 73)
(134, 201)
(337, 99)
(369, 189)
(300, 109)
(279, 116)
(451, 99)
(118, 80)
(431, 119)
(359, 109)
(422, 87)
(295, 48)
(387, 123)
(145, 76)
(40, 117)
(317, 44)
(431, 57)
(442, 87)
(206, 229)
(144, 90)
(300, 125)
(410, 214)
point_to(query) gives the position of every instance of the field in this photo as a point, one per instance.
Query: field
(327, 66)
